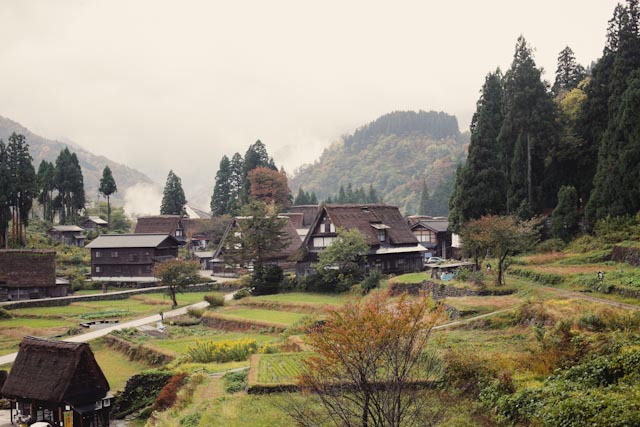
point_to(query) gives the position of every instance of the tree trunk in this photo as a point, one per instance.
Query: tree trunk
(529, 183)
(108, 213)
(172, 294)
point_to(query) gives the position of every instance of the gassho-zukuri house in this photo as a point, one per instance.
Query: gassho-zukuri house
(393, 248)
(57, 382)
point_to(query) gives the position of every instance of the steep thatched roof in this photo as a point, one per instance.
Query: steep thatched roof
(55, 371)
(27, 268)
(367, 218)
(308, 211)
(164, 224)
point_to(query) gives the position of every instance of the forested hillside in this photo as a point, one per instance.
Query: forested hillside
(396, 154)
(92, 165)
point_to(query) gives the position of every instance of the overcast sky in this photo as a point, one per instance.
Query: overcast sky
(162, 85)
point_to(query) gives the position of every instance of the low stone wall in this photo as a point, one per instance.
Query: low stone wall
(57, 302)
(626, 254)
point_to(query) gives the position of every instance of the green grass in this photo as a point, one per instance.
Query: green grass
(303, 297)
(273, 316)
(280, 368)
(412, 277)
(179, 345)
(115, 366)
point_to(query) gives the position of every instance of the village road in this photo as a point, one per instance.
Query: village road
(9, 358)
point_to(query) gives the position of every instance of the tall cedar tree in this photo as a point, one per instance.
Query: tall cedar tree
(46, 185)
(236, 170)
(173, 199)
(70, 186)
(617, 183)
(565, 217)
(371, 367)
(220, 200)
(256, 156)
(481, 185)
(424, 199)
(608, 109)
(269, 186)
(302, 198)
(107, 188)
(5, 204)
(23, 185)
(528, 131)
(568, 73)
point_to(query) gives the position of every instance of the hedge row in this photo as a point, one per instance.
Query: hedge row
(543, 278)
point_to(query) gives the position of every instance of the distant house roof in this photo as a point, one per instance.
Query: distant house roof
(195, 213)
(55, 371)
(203, 254)
(368, 218)
(308, 211)
(297, 218)
(97, 220)
(107, 241)
(66, 228)
(437, 224)
(165, 224)
(27, 268)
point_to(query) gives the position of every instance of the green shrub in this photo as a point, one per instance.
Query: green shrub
(185, 321)
(551, 245)
(543, 278)
(371, 281)
(266, 280)
(242, 293)
(235, 382)
(4, 314)
(214, 300)
(191, 420)
(221, 351)
(196, 313)
(140, 392)
(591, 322)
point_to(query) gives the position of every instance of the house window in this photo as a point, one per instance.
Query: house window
(114, 254)
(322, 242)
(179, 232)
(382, 235)
(98, 254)
(425, 236)
(97, 269)
(133, 257)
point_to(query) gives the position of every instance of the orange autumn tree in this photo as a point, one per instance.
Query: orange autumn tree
(269, 186)
(372, 367)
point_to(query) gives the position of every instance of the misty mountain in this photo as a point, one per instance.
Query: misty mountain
(394, 153)
(92, 165)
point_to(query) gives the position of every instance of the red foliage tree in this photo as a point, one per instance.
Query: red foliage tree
(269, 186)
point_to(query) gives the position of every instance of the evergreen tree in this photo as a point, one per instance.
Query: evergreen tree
(424, 199)
(107, 188)
(302, 198)
(5, 204)
(313, 200)
(46, 185)
(372, 196)
(173, 199)
(616, 189)
(23, 184)
(480, 186)
(342, 196)
(221, 198)
(529, 126)
(70, 186)
(456, 220)
(565, 216)
(568, 74)
(236, 170)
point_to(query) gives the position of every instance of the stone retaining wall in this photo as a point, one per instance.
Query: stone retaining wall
(626, 254)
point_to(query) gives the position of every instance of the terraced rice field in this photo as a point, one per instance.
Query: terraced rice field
(280, 368)
(272, 316)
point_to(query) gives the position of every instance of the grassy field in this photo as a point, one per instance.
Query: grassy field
(178, 345)
(116, 367)
(303, 297)
(270, 316)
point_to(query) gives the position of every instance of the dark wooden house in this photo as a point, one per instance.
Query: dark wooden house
(67, 234)
(57, 382)
(28, 274)
(162, 224)
(94, 223)
(223, 264)
(130, 258)
(393, 248)
(432, 233)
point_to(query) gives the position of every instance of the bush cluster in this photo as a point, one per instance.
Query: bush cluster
(214, 300)
(140, 391)
(222, 351)
(235, 382)
(543, 278)
(167, 396)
